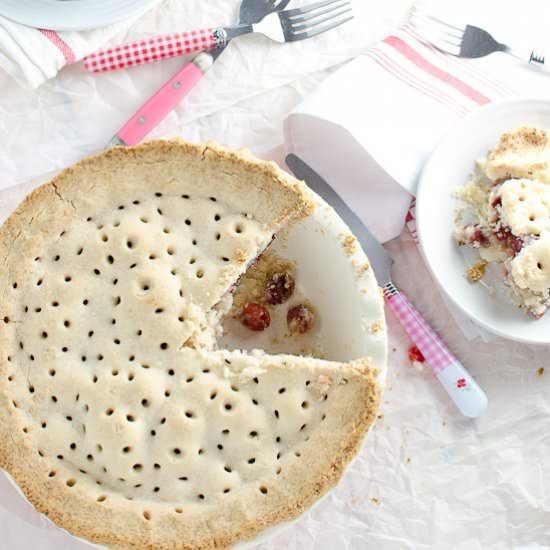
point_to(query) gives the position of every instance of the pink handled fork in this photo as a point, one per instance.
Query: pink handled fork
(457, 381)
(153, 49)
(284, 26)
(171, 45)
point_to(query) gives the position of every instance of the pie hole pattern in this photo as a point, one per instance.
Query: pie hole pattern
(152, 256)
(525, 207)
(243, 440)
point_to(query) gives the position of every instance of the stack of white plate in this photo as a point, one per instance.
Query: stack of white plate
(62, 15)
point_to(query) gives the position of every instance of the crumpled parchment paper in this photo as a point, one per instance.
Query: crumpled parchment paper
(77, 113)
(426, 478)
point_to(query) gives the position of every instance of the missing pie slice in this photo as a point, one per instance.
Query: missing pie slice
(119, 420)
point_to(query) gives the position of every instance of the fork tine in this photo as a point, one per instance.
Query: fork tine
(435, 32)
(281, 4)
(444, 47)
(311, 24)
(434, 24)
(314, 14)
(420, 13)
(441, 43)
(317, 30)
(310, 7)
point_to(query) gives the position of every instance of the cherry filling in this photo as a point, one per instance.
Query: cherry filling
(475, 235)
(514, 244)
(255, 317)
(279, 288)
(300, 319)
(503, 232)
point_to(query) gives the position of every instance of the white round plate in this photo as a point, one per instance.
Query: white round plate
(450, 166)
(65, 15)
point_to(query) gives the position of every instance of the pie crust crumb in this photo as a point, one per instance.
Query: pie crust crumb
(476, 272)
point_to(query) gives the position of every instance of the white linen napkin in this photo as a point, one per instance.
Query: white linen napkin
(370, 126)
(33, 56)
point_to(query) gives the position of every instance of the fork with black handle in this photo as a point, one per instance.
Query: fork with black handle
(467, 40)
(284, 26)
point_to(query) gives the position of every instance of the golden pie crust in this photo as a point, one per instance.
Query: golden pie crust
(118, 420)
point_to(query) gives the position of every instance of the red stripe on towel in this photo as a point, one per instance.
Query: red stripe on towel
(63, 47)
(410, 80)
(422, 63)
(465, 65)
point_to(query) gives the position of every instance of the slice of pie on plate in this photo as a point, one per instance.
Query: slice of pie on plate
(120, 419)
(510, 202)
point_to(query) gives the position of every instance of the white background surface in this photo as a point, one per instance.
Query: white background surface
(426, 477)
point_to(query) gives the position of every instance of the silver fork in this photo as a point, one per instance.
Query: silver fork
(467, 40)
(284, 26)
(295, 24)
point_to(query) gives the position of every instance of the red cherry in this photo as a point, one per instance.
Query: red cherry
(279, 288)
(255, 317)
(300, 319)
(515, 243)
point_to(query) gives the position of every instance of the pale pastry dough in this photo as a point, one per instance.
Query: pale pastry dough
(118, 417)
(525, 207)
(531, 267)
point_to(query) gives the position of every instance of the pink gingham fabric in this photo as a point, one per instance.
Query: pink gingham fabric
(150, 49)
(433, 349)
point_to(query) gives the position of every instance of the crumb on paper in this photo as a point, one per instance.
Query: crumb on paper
(365, 290)
(380, 416)
(476, 271)
(540, 371)
(349, 243)
(416, 358)
(376, 501)
(408, 461)
(376, 326)
(394, 350)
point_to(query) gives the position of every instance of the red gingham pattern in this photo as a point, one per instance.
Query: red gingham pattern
(151, 49)
(428, 342)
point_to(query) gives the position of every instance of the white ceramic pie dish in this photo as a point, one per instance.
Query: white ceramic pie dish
(345, 295)
(450, 166)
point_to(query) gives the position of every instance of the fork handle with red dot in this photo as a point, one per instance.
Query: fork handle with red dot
(455, 379)
(154, 49)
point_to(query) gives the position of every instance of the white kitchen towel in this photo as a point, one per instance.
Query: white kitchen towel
(33, 56)
(370, 126)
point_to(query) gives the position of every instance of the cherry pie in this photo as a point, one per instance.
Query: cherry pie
(510, 200)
